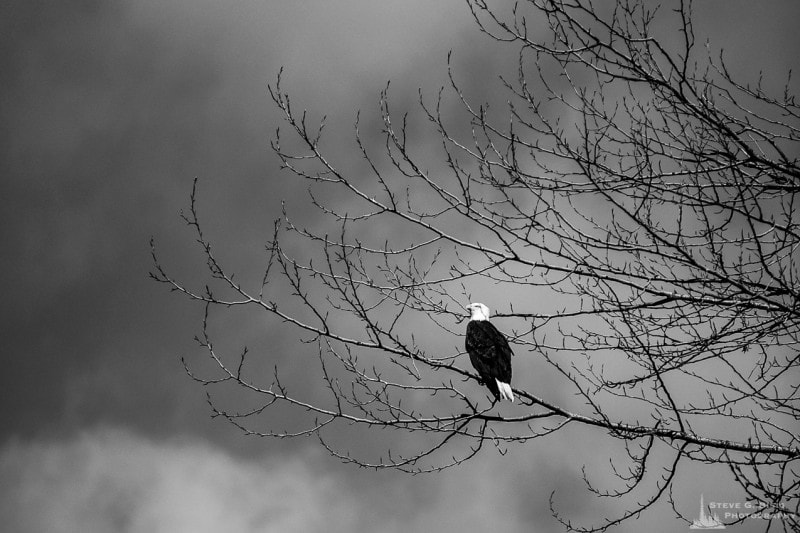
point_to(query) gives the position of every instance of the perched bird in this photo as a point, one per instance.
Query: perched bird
(489, 352)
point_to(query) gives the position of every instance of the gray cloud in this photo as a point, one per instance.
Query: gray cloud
(111, 480)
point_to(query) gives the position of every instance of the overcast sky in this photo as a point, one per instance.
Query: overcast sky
(109, 110)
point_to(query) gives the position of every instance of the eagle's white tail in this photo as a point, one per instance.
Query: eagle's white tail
(505, 390)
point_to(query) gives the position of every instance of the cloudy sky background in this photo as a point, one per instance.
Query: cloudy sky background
(109, 111)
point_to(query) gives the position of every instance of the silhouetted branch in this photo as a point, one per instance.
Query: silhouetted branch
(634, 205)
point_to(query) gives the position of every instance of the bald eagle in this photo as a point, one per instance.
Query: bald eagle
(489, 352)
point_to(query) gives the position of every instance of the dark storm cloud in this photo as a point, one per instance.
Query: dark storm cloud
(101, 132)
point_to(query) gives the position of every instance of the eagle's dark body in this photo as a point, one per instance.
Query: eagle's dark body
(490, 354)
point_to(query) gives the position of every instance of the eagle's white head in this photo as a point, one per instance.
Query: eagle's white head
(478, 311)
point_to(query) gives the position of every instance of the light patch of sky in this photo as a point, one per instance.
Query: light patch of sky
(330, 46)
(110, 479)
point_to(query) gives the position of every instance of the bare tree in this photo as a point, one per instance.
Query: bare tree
(634, 206)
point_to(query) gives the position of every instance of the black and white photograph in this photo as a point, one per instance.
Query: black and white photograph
(359, 266)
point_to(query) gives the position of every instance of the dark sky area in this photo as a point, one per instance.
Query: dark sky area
(109, 110)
